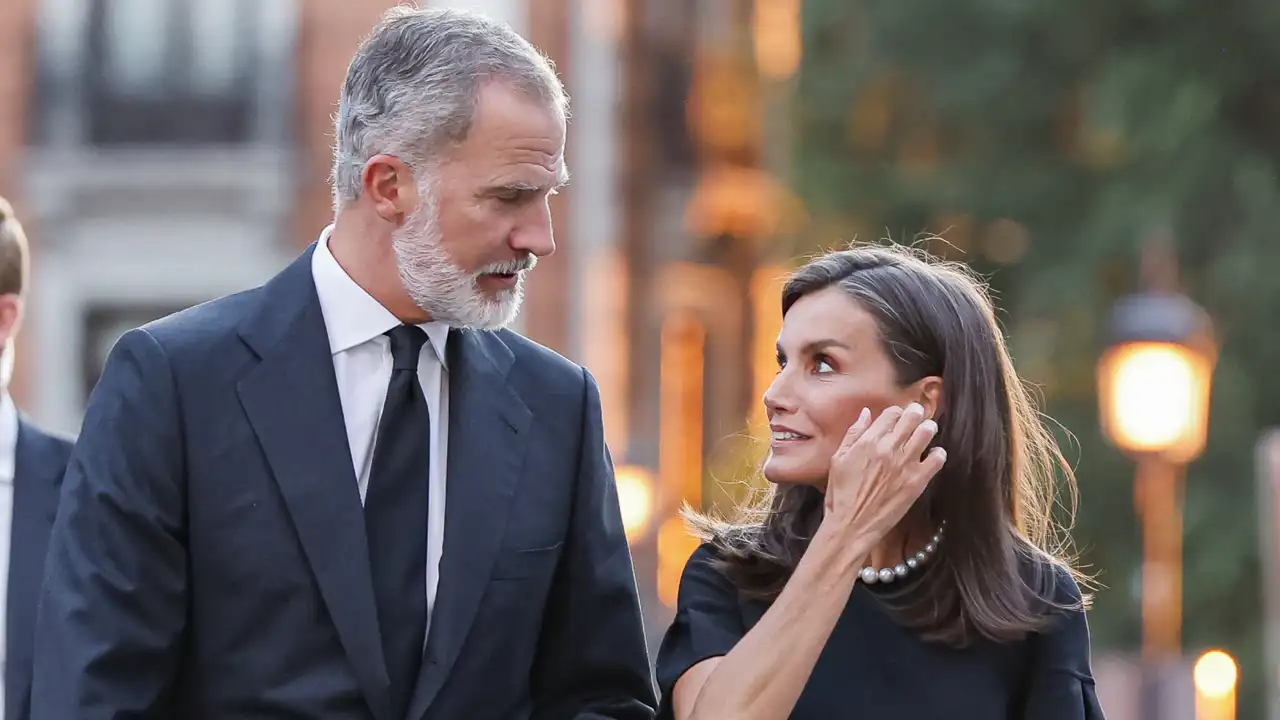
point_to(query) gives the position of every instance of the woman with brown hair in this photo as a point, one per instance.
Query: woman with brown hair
(904, 564)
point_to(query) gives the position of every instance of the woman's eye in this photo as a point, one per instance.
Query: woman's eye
(822, 366)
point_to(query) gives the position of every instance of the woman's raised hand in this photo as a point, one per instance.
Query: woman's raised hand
(877, 473)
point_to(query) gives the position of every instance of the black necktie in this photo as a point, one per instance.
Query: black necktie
(395, 513)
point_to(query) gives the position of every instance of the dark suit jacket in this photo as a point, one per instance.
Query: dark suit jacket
(209, 557)
(39, 462)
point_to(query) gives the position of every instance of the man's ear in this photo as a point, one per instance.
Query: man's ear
(390, 185)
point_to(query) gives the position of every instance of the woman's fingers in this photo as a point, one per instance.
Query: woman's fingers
(919, 440)
(884, 424)
(905, 426)
(932, 463)
(855, 431)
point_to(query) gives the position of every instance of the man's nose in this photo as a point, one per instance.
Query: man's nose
(534, 233)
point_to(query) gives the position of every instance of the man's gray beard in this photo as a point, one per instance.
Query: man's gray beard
(438, 286)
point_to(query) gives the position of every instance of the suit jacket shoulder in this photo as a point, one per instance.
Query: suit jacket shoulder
(200, 328)
(540, 365)
(54, 449)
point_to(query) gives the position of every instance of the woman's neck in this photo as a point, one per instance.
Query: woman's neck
(904, 541)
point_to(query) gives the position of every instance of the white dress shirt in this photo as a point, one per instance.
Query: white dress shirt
(8, 462)
(355, 323)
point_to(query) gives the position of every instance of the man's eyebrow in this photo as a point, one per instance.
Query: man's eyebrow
(562, 179)
(518, 185)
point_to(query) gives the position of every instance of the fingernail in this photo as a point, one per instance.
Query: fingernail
(929, 426)
(942, 454)
(866, 413)
(915, 407)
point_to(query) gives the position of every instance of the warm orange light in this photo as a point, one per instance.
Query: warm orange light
(604, 319)
(680, 410)
(675, 545)
(724, 108)
(778, 41)
(635, 499)
(1155, 399)
(741, 202)
(766, 306)
(680, 443)
(1215, 678)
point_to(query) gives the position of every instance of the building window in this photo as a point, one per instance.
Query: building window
(169, 71)
(104, 325)
(166, 72)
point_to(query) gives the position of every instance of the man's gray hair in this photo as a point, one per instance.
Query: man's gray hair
(411, 88)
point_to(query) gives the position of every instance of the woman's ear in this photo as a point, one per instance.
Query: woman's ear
(929, 395)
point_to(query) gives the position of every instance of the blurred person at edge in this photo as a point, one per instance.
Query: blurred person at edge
(902, 565)
(350, 493)
(31, 465)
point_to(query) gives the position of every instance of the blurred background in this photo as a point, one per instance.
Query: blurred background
(1109, 165)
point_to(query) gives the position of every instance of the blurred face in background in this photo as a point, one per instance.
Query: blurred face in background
(10, 320)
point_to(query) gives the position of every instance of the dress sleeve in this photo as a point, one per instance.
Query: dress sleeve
(708, 623)
(1061, 683)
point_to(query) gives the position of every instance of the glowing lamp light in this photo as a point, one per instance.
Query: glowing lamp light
(635, 500)
(1156, 399)
(1154, 381)
(1216, 674)
(675, 545)
(777, 35)
(1215, 677)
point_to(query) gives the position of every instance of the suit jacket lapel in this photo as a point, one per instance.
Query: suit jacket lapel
(291, 399)
(37, 476)
(488, 424)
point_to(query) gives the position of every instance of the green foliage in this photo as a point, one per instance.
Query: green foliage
(1083, 125)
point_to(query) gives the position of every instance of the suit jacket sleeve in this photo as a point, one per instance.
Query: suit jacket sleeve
(114, 601)
(592, 659)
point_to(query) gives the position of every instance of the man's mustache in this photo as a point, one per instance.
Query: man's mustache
(510, 267)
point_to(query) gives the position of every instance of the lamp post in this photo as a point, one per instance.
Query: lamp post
(1215, 678)
(1154, 383)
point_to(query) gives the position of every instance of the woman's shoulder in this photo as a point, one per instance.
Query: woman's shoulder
(707, 565)
(1053, 582)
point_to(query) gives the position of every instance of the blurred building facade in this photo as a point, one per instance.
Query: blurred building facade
(165, 152)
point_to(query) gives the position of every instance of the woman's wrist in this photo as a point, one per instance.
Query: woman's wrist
(845, 545)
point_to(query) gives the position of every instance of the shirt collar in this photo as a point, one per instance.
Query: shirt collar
(8, 437)
(351, 316)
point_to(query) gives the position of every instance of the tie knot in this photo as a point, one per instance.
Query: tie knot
(406, 346)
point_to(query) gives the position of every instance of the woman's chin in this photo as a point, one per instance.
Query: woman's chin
(781, 475)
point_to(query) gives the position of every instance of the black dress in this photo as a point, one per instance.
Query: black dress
(872, 668)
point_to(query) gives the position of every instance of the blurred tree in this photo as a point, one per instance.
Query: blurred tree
(1045, 139)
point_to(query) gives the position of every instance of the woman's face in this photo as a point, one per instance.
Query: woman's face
(831, 365)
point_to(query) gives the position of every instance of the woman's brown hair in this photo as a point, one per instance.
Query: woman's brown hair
(1001, 565)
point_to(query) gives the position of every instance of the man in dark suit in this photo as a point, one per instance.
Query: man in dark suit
(349, 493)
(31, 466)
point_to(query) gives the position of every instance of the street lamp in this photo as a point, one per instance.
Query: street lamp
(1215, 677)
(1154, 380)
(1154, 385)
(635, 500)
